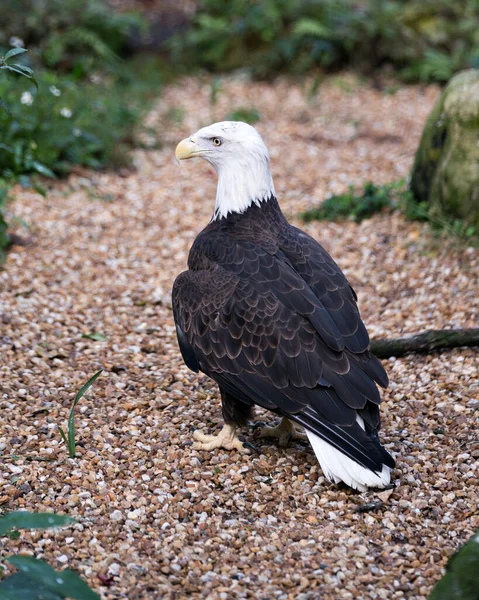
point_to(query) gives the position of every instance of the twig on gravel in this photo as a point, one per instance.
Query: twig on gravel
(426, 342)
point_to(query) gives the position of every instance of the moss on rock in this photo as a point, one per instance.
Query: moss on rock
(446, 167)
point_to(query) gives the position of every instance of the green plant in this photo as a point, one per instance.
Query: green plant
(74, 36)
(420, 211)
(8, 67)
(36, 579)
(456, 228)
(75, 123)
(95, 336)
(69, 438)
(414, 211)
(395, 195)
(350, 205)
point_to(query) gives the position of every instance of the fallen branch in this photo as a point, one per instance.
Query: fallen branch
(426, 342)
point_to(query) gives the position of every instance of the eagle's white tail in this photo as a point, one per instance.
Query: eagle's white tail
(337, 466)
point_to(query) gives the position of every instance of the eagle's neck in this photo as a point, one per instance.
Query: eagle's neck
(243, 181)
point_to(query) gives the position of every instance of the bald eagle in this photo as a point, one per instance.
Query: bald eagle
(267, 314)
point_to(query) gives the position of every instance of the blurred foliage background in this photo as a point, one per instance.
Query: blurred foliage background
(89, 97)
(100, 63)
(420, 40)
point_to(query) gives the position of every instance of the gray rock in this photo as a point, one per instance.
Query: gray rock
(445, 174)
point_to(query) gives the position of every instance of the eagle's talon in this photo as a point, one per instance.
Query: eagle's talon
(203, 437)
(284, 433)
(226, 439)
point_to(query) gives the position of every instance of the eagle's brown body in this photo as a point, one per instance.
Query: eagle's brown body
(266, 313)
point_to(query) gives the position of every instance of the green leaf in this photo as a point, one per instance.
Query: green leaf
(64, 583)
(21, 587)
(26, 520)
(71, 418)
(14, 52)
(24, 69)
(98, 337)
(71, 434)
(87, 385)
(14, 70)
(43, 170)
(461, 581)
(21, 70)
(62, 433)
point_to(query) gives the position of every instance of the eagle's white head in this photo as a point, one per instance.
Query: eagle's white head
(237, 152)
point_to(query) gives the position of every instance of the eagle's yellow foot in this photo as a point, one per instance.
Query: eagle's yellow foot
(284, 432)
(226, 439)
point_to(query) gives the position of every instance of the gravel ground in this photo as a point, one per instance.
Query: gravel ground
(158, 519)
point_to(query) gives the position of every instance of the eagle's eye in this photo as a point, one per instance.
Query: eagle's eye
(216, 142)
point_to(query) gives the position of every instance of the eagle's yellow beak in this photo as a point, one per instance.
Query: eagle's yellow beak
(187, 149)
